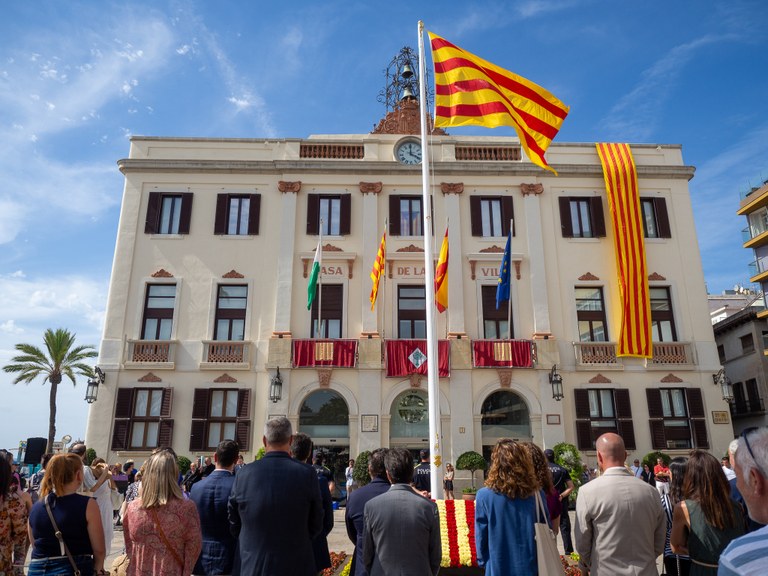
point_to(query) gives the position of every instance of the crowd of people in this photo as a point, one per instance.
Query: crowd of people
(702, 515)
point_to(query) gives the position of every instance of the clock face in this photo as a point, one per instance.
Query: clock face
(409, 152)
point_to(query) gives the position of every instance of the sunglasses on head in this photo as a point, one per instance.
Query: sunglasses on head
(744, 434)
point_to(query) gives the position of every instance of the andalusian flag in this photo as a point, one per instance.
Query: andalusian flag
(314, 276)
(378, 268)
(441, 277)
(624, 199)
(470, 90)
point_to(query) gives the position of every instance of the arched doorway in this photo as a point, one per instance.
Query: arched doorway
(409, 421)
(504, 415)
(324, 415)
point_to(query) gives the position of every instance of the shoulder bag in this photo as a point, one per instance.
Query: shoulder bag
(153, 513)
(60, 538)
(547, 556)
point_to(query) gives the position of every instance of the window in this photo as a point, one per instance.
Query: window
(582, 216)
(237, 214)
(590, 313)
(747, 344)
(324, 414)
(677, 418)
(504, 415)
(721, 353)
(158, 312)
(168, 213)
(603, 410)
(142, 419)
(495, 322)
(335, 212)
(765, 339)
(662, 319)
(231, 305)
(330, 306)
(758, 222)
(411, 312)
(490, 215)
(405, 215)
(655, 218)
(220, 414)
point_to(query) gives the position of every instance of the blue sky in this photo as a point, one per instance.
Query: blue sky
(77, 79)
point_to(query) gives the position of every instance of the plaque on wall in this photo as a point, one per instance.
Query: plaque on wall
(370, 422)
(553, 419)
(720, 417)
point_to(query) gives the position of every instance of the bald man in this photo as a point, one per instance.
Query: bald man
(620, 524)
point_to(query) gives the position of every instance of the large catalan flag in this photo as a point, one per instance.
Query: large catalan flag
(441, 277)
(378, 268)
(470, 90)
(624, 200)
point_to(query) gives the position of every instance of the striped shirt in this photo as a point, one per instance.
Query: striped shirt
(666, 503)
(745, 556)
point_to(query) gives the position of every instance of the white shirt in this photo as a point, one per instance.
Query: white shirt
(729, 474)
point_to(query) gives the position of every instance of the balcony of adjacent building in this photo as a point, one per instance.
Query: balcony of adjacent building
(745, 407)
(753, 199)
(603, 355)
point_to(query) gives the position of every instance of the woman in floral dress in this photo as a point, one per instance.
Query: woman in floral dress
(13, 525)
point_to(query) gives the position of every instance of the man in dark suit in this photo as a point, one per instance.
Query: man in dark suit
(208, 467)
(356, 505)
(211, 495)
(275, 510)
(301, 450)
(402, 529)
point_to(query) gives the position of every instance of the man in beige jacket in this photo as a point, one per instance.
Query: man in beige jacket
(620, 524)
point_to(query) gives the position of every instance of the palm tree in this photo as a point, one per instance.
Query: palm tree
(61, 358)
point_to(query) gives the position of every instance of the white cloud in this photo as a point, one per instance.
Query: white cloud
(9, 327)
(12, 214)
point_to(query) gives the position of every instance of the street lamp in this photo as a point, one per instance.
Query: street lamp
(720, 379)
(92, 390)
(557, 383)
(276, 387)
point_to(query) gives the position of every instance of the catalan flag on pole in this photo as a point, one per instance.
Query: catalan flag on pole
(441, 277)
(624, 200)
(470, 90)
(378, 268)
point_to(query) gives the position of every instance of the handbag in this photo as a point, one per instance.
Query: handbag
(60, 538)
(120, 565)
(547, 556)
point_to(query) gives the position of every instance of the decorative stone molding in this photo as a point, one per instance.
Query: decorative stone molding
(670, 378)
(473, 263)
(505, 378)
(415, 380)
(233, 274)
(324, 377)
(405, 119)
(410, 248)
(150, 377)
(588, 277)
(350, 258)
(225, 379)
(600, 379)
(284, 186)
(492, 250)
(534, 189)
(371, 187)
(452, 188)
(656, 277)
(162, 273)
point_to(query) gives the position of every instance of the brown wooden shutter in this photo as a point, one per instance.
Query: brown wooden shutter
(124, 403)
(598, 220)
(475, 216)
(165, 434)
(581, 400)
(507, 214)
(394, 215)
(658, 437)
(243, 425)
(627, 432)
(153, 213)
(201, 404)
(700, 438)
(120, 435)
(197, 436)
(623, 405)
(313, 214)
(655, 409)
(346, 214)
(662, 218)
(244, 403)
(584, 435)
(222, 208)
(565, 216)
(695, 403)
(167, 403)
(254, 214)
(123, 409)
(698, 417)
(186, 212)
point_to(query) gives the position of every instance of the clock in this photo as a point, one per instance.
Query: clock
(408, 152)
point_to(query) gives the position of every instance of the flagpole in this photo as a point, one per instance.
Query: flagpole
(435, 443)
(509, 301)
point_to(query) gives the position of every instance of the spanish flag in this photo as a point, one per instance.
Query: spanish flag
(378, 268)
(441, 277)
(624, 199)
(470, 90)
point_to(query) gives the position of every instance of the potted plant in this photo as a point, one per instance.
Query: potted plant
(471, 461)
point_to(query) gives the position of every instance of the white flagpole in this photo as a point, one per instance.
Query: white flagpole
(435, 440)
(509, 301)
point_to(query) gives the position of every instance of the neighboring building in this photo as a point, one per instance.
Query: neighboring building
(730, 302)
(208, 298)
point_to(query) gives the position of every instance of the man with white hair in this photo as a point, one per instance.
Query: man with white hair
(747, 555)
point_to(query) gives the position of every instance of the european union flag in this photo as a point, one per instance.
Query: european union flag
(502, 290)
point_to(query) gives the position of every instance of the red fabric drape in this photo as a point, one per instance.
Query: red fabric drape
(502, 353)
(336, 353)
(399, 364)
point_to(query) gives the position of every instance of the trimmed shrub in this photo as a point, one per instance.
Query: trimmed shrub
(651, 457)
(360, 471)
(471, 461)
(183, 463)
(90, 455)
